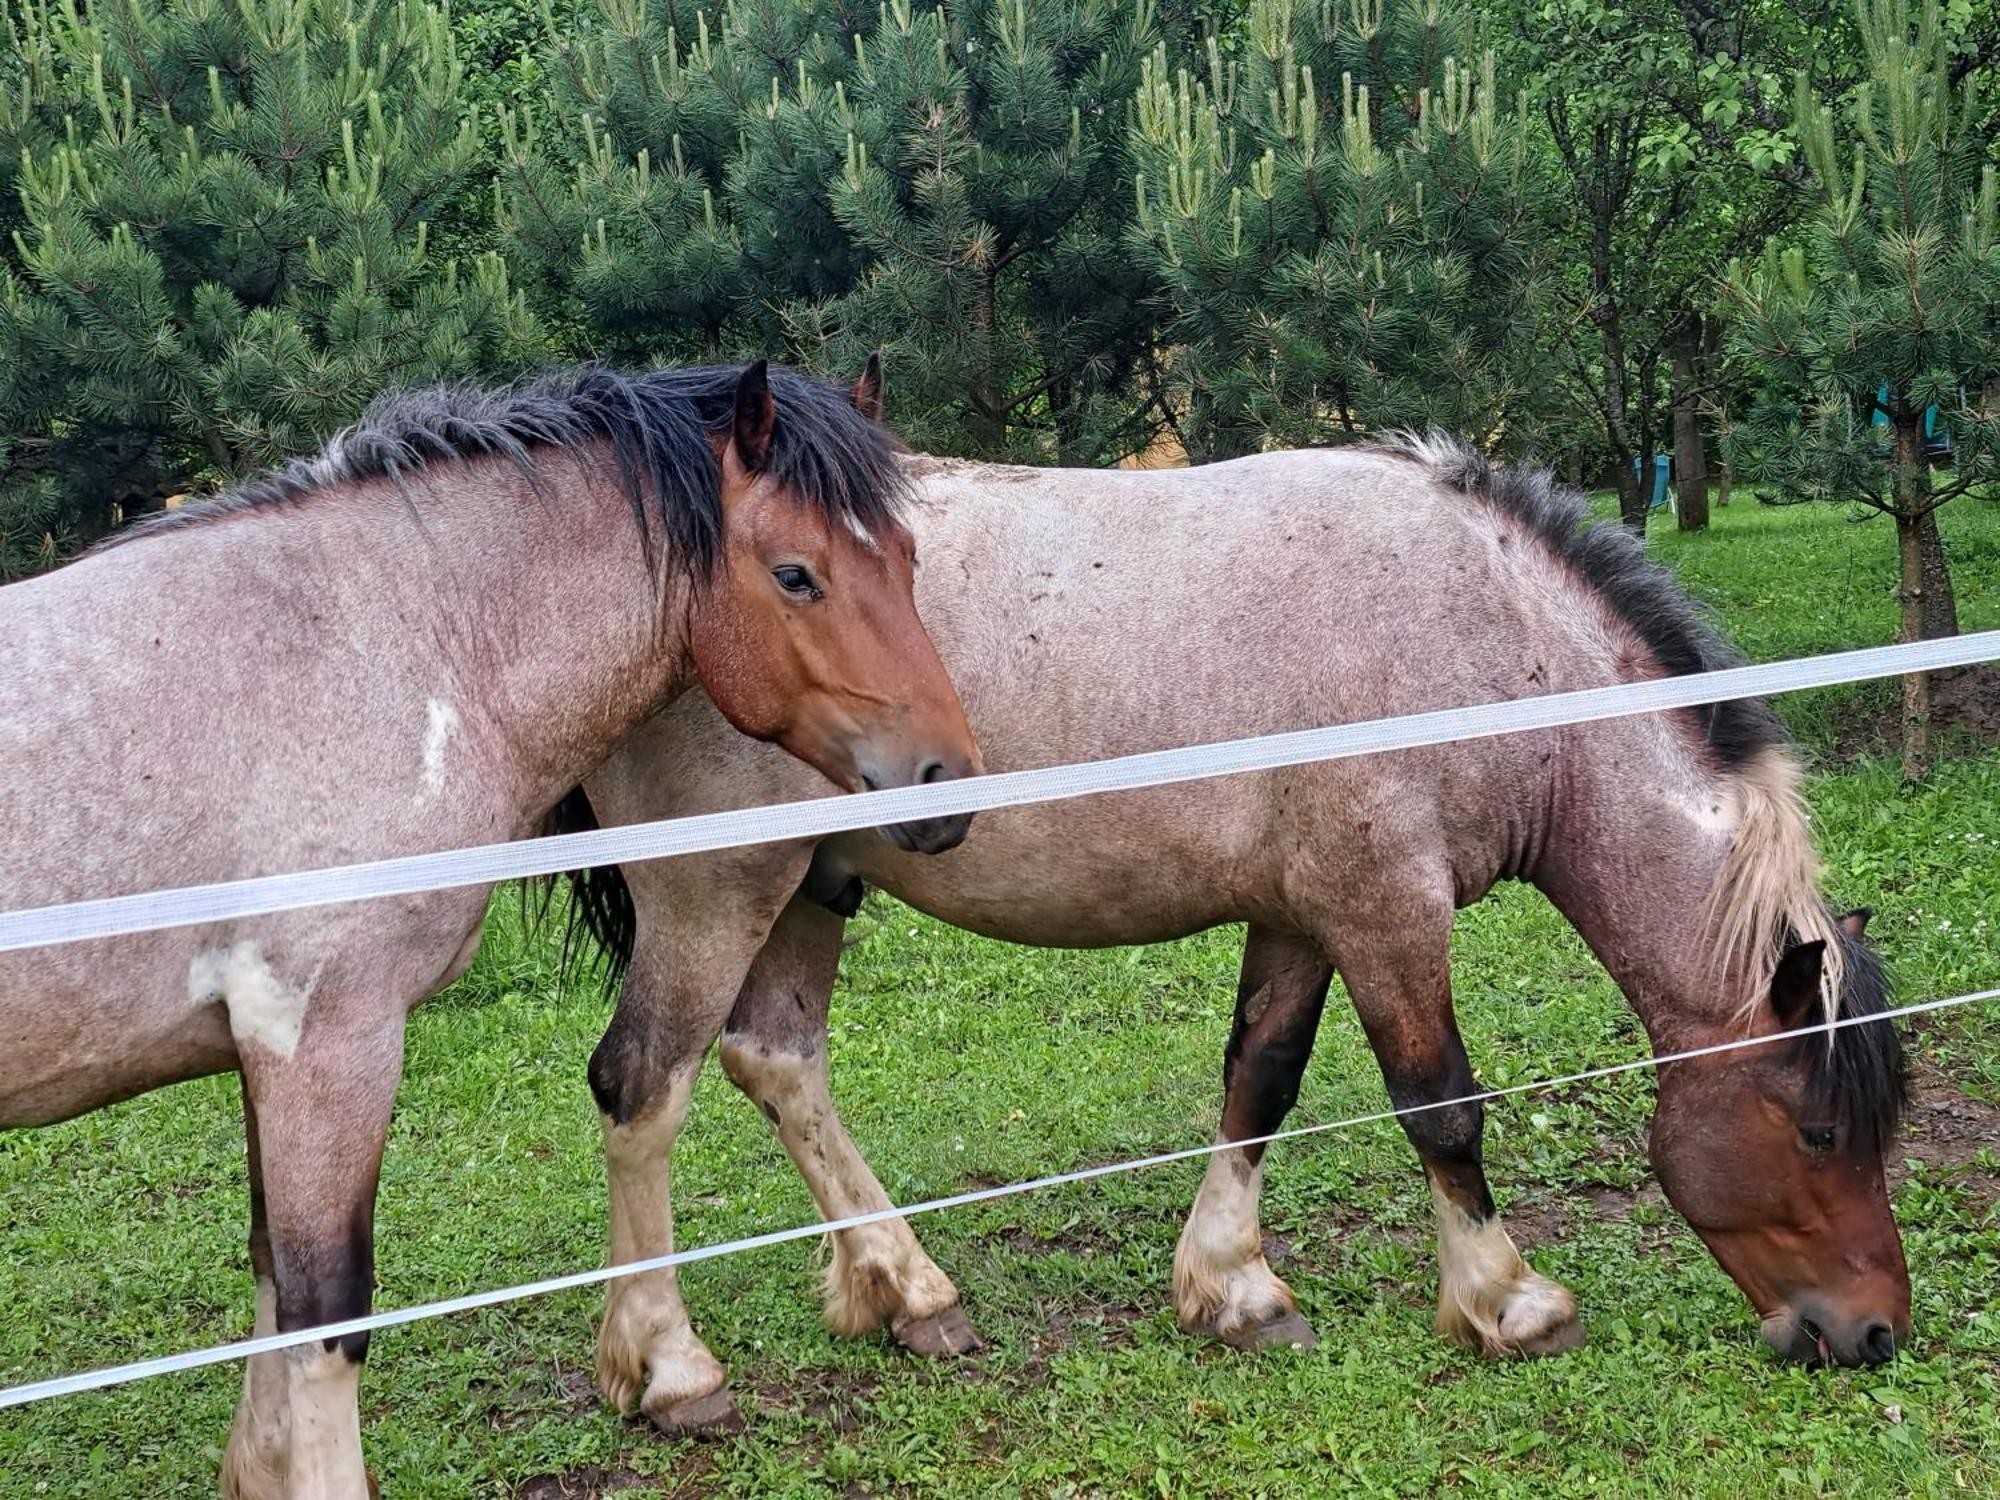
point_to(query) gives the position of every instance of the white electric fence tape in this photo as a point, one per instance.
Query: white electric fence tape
(191, 905)
(194, 1359)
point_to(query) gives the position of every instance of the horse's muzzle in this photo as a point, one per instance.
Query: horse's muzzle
(928, 835)
(1811, 1340)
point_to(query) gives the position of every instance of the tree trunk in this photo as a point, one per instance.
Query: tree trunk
(1720, 435)
(986, 415)
(1917, 686)
(1635, 493)
(1690, 463)
(1634, 489)
(1920, 554)
(1940, 600)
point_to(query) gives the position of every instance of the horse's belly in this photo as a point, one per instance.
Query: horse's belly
(1021, 881)
(66, 1049)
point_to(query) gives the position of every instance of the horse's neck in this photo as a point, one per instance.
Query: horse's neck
(1637, 841)
(548, 636)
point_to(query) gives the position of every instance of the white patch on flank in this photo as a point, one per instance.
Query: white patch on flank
(262, 1008)
(862, 534)
(443, 724)
(1708, 812)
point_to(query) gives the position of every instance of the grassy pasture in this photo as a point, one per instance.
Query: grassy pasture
(960, 1062)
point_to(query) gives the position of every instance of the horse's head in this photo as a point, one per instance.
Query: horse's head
(807, 635)
(1774, 1155)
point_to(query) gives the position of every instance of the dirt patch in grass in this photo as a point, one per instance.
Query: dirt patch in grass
(1946, 1131)
(1080, 1239)
(1107, 1325)
(574, 1394)
(587, 1483)
(1538, 1220)
(1965, 705)
(838, 1398)
(1609, 1201)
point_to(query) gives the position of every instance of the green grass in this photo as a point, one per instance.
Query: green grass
(959, 1061)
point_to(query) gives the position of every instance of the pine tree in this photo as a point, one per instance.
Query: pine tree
(221, 249)
(1890, 313)
(941, 181)
(1337, 205)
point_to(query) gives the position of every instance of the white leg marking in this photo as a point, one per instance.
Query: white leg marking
(326, 1426)
(879, 1272)
(647, 1348)
(1222, 1283)
(263, 1009)
(253, 1467)
(1488, 1298)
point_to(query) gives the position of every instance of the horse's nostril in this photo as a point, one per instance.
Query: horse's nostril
(1878, 1344)
(935, 770)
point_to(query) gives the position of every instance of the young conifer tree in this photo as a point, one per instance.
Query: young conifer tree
(1883, 329)
(219, 243)
(940, 181)
(1339, 208)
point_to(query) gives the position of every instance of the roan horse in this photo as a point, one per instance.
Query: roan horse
(420, 639)
(1085, 615)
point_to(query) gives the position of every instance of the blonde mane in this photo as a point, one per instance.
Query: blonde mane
(1766, 894)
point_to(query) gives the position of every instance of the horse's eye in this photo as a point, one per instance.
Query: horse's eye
(1817, 1138)
(796, 580)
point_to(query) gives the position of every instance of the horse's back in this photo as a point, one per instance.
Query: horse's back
(1089, 614)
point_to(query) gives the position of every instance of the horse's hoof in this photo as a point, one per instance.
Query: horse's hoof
(1290, 1331)
(942, 1336)
(1557, 1340)
(374, 1488)
(711, 1416)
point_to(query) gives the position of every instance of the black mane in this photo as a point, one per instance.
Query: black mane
(659, 429)
(1861, 1078)
(1614, 563)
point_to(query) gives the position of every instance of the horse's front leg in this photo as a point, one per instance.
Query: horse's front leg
(774, 1048)
(1222, 1283)
(253, 1466)
(320, 1079)
(687, 967)
(1399, 975)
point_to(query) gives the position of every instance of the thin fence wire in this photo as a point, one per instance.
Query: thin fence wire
(195, 1359)
(187, 906)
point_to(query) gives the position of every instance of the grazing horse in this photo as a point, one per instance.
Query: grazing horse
(1086, 615)
(420, 639)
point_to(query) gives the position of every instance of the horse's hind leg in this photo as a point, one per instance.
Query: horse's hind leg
(1222, 1284)
(1399, 974)
(774, 1048)
(321, 1120)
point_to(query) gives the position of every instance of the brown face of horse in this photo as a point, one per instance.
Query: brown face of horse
(808, 634)
(1785, 1190)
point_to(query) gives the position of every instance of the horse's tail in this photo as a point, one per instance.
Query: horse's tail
(600, 924)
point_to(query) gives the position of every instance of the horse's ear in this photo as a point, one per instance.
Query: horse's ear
(1795, 986)
(867, 392)
(756, 416)
(1854, 923)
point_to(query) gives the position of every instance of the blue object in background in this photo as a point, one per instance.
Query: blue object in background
(1662, 467)
(1936, 441)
